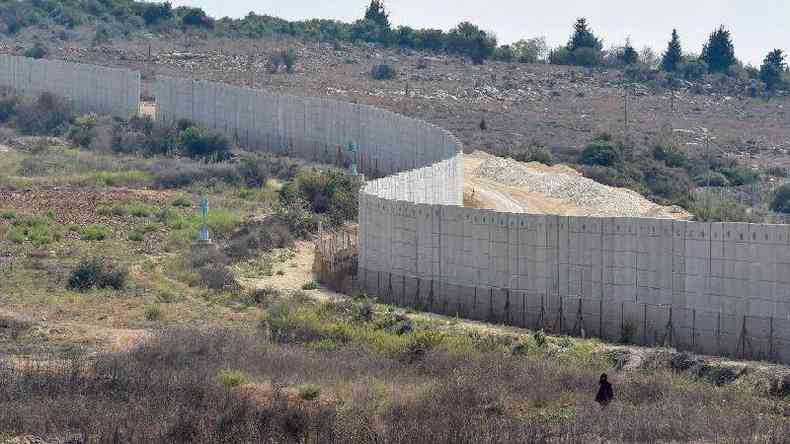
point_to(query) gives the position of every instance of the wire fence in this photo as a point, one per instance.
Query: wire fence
(695, 330)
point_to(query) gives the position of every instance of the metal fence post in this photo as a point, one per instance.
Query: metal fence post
(600, 318)
(694, 329)
(718, 332)
(771, 341)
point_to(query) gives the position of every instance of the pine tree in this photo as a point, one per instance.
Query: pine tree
(377, 14)
(773, 70)
(629, 56)
(673, 55)
(583, 37)
(719, 52)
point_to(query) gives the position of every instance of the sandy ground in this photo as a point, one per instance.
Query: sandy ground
(482, 192)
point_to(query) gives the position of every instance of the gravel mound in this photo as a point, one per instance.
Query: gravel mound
(591, 197)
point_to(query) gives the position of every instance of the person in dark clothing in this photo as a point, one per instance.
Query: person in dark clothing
(605, 393)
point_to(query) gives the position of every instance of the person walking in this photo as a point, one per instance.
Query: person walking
(605, 393)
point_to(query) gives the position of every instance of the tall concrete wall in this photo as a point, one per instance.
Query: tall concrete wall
(426, 158)
(91, 88)
(713, 288)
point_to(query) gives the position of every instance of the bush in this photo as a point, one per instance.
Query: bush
(312, 285)
(8, 104)
(383, 72)
(740, 175)
(94, 233)
(48, 115)
(309, 392)
(712, 208)
(332, 193)
(534, 153)
(712, 178)
(672, 155)
(196, 17)
(37, 51)
(153, 312)
(181, 202)
(97, 273)
(781, 200)
(231, 379)
(603, 153)
(136, 236)
(202, 144)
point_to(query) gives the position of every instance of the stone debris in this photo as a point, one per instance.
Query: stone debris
(591, 197)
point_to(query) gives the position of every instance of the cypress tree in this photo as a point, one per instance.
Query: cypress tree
(629, 56)
(673, 55)
(719, 52)
(583, 37)
(773, 69)
(377, 14)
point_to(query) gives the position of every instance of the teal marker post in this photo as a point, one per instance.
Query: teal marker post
(204, 235)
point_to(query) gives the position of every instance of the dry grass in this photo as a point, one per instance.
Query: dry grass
(171, 390)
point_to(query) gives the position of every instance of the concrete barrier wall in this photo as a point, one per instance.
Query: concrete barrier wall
(91, 88)
(424, 160)
(711, 288)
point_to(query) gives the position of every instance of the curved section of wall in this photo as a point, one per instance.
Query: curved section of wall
(423, 161)
(90, 88)
(713, 288)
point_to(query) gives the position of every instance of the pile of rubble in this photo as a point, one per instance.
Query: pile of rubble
(559, 182)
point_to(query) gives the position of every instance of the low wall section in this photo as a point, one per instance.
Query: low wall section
(91, 88)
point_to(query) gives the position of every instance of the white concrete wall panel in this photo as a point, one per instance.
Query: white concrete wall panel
(90, 88)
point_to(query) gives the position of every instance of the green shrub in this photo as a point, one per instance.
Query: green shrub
(8, 104)
(84, 130)
(740, 175)
(383, 72)
(37, 51)
(712, 178)
(534, 153)
(312, 285)
(97, 273)
(138, 209)
(15, 234)
(540, 338)
(136, 236)
(200, 143)
(8, 215)
(781, 199)
(309, 392)
(231, 378)
(332, 193)
(153, 312)
(47, 115)
(94, 233)
(672, 155)
(181, 202)
(713, 208)
(603, 153)
(168, 297)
